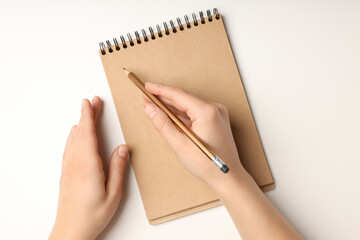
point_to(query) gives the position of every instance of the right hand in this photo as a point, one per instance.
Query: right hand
(209, 121)
(253, 214)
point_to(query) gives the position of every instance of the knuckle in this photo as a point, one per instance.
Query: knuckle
(114, 197)
(86, 115)
(180, 92)
(160, 123)
(85, 118)
(117, 195)
(118, 166)
(84, 112)
(85, 130)
(212, 111)
(82, 132)
(223, 109)
(73, 128)
(160, 88)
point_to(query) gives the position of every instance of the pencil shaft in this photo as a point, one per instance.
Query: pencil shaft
(172, 116)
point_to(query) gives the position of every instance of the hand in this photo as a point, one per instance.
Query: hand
(209, 121)
(253, 214)
(87, 200)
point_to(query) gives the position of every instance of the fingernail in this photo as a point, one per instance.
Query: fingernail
(94, 99)
(122, 151)
(150, 111)
(83, 104)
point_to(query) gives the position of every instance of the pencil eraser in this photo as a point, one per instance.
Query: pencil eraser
(224, 168)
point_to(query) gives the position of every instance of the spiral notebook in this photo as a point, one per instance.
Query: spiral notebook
(195, 56)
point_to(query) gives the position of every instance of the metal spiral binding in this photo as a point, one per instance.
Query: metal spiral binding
(194, 19)
(188, 25)
(102, 48)
(209, 15)
(181, 27)
(144, 35)
(107, 46)
(166, 28)
(159, 30)
(123, 41)
(173, 26)
(130, 39)
(202, 17)
(116, 44)
(137, 37)
(217, 14)
(108, 43)
(152, 33)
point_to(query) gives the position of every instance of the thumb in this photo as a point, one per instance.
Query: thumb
(116, 172)
(164, 125)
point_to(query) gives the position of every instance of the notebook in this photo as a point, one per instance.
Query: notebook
(197, 57)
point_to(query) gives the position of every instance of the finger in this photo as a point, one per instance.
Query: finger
(171, 107)
(87, 121)
(117, 166)
(146, 98)
(162, 99)
(168, 104)
(73, 128)
(182, 100)
(182, 116)
(96, 105)
(165, 126)
(69, 139)
(71, 134)
(222, 109)
(186, 121)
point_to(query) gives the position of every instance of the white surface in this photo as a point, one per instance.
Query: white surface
(300, 66)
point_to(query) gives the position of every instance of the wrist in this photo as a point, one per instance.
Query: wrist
(59, 232)
(235, 180)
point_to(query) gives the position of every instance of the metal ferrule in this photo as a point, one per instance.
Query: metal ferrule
(218, 162)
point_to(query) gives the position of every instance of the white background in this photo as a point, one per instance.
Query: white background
(299, 61)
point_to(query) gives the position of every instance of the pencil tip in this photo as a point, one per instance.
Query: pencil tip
(126, 71)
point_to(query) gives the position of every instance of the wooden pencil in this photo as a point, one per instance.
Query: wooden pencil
(180, 125)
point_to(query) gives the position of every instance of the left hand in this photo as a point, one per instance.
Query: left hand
(87, 200)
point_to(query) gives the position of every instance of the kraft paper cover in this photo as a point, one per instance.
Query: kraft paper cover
(200, 61)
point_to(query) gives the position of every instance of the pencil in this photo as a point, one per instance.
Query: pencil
(192, 136)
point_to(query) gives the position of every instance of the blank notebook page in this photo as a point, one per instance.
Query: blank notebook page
(199, 60)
